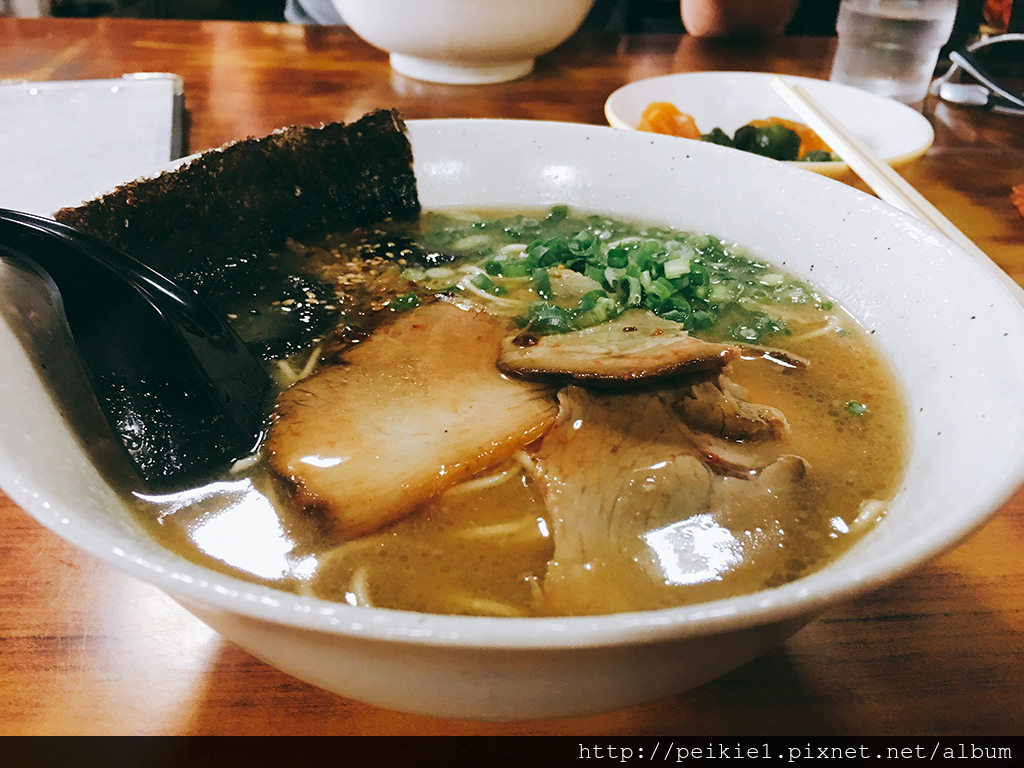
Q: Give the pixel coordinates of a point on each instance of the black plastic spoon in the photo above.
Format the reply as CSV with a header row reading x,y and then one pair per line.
x,y
180,390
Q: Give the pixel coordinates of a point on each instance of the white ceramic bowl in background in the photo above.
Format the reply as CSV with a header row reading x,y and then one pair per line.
x,y
464,41
728,100
950,326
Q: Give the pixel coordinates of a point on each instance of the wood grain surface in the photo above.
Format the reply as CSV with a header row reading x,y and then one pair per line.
x,y
85,649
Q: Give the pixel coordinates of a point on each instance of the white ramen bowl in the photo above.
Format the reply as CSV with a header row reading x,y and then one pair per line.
x,y
464,42
951,326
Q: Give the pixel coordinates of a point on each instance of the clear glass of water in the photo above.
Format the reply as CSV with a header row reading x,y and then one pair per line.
x,y
890,47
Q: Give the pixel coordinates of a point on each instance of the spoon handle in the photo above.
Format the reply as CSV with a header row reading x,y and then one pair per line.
x,y
972,66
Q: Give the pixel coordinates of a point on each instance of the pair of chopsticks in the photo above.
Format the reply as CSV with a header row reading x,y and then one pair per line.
x,y
878,175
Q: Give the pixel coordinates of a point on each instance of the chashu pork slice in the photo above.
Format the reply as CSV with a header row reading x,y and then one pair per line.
x,y
639,512
735,436
636,347
413,410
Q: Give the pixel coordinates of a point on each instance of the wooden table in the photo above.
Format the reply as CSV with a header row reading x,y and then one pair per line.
x,y
87,650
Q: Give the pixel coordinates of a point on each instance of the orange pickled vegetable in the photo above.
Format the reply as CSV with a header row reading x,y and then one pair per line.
x,y
809,140
662,117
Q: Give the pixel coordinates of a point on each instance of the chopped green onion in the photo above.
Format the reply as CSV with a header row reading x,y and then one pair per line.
x,y
662,288
594,272
414,274
691,278
405,301
677,268
542,283
484,283
612,275
618,258
545,318
720,293
515,268
557,213
635,291
595,307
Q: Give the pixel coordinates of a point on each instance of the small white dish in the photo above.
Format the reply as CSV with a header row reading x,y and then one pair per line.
x,y
728,100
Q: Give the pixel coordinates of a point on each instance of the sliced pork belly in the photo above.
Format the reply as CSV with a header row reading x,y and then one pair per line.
x,y
718,408
636,347
638,509
734,435
613,467
416,408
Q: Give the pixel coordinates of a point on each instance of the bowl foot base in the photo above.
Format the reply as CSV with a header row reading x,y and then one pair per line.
x,y
435,71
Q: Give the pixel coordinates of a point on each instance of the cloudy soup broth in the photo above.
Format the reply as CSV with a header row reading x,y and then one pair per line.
x,y
550,412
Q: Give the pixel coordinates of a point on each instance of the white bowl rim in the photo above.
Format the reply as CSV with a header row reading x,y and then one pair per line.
x,y
797,600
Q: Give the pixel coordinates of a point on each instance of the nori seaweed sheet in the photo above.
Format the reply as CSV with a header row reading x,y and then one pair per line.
x,y
214,225
228,207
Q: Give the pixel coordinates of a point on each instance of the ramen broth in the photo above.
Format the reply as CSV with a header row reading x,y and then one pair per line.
x,y
487,546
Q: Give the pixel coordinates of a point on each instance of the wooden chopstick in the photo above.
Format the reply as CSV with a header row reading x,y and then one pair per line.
x,y
879,175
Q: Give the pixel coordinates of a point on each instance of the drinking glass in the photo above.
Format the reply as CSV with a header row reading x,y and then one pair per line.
x,y
890,47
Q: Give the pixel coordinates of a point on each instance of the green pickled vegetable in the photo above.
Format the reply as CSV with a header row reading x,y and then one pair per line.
x,y
718,136
775,141
818,156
